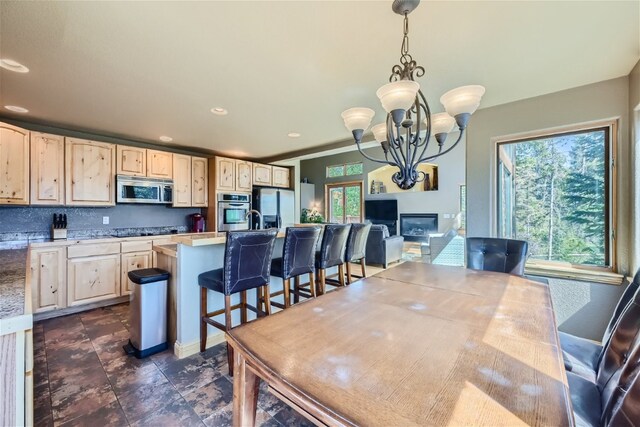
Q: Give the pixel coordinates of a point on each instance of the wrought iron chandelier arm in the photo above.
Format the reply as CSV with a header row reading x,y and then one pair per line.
x,y
441,153
371,158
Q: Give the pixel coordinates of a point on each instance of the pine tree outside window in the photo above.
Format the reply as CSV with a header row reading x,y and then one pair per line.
x,y
555,191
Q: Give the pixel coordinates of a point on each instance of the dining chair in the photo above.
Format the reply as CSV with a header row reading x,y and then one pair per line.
x,y
331,254
598,396
500,255
356,248
298,257
583,355
247,265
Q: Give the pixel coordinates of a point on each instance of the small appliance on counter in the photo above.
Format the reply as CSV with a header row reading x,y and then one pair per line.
x,y
59,227
197,223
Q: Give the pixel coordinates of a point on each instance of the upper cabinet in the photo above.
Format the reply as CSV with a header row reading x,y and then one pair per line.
x,y
244,175
89,173
225,174
181,180
131,161
47,169
280,177
14,165
261,174
199,182
159,164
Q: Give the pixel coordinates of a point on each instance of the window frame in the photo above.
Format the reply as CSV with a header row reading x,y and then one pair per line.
x,y
344,170
559,268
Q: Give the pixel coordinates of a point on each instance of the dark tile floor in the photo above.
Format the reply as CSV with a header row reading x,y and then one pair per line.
x,y
82,377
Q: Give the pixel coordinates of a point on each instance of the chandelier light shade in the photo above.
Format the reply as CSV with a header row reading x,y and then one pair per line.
x,y
405,135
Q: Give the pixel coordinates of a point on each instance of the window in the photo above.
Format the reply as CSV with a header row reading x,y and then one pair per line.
x,y
555,191
348,169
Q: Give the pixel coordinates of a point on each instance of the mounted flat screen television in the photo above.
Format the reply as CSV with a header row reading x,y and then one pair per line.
x,y
381,210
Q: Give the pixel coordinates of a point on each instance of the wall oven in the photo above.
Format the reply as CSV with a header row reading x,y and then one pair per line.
x,y
137,189
232,211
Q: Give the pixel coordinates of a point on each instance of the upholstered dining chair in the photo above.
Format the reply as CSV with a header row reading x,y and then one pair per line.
x,y
356,248
331,253
247,265
298,258
500,255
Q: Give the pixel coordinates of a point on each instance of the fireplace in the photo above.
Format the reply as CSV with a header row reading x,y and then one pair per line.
x,y
417,227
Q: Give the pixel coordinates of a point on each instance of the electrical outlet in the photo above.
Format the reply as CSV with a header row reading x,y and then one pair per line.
x,y
105,220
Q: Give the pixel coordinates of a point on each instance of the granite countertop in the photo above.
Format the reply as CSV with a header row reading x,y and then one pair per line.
x,y
205,239
12,282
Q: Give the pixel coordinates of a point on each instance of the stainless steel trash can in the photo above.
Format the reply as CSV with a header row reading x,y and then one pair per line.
x,y
148,312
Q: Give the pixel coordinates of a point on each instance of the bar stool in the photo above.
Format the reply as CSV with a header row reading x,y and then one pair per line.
x,y
247,264
298,256
356,247
331,254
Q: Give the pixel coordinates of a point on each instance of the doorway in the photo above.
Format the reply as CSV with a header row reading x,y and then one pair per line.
x,y
343,202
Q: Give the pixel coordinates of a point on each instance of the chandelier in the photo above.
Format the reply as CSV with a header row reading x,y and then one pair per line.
x,y
404,136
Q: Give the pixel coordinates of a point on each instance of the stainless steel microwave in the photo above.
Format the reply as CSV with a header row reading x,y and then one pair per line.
x,y
137,189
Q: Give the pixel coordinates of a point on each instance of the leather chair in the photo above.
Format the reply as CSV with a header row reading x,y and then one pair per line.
x,y
298,258
500,255
244,268
582,355
331,253
356,248
614,387
383,249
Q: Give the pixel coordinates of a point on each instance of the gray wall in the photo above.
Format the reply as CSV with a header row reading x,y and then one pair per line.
x,y
451,174
38,219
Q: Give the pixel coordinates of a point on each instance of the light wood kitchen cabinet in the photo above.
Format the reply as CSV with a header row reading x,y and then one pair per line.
x,y
93,278
225,174
159,164
14,165
280,177
131,161
182,182
47,169
89,173
48,279
261,174
130,262
244,176
199,184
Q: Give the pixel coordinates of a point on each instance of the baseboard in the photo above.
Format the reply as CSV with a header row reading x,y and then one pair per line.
x,y
184,350
79,308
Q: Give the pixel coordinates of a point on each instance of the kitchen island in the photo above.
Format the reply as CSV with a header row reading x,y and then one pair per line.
x,y
190,256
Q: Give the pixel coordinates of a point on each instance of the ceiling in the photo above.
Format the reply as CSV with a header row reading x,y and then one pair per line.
x,y
145,69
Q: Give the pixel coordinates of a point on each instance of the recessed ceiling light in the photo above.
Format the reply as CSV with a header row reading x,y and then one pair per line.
x,y
293,135
165,138
16,109
11,65
219,111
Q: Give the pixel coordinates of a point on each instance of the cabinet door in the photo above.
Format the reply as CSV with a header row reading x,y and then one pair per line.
x,y
244,176
48,279
14,165
159,164
225,174
130,262
280,177
89,173
181,180
131,161
199,187
93,278
261,174
47,169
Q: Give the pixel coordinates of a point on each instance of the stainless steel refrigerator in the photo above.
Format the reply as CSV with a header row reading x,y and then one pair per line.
x,y
276,206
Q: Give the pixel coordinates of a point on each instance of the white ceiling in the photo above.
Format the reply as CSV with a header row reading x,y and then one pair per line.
x,y
145,69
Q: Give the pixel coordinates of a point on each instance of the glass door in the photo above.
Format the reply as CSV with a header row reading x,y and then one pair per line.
x,y
344,202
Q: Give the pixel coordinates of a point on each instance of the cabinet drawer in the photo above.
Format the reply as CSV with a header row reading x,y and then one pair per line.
x,y
77,251
136,246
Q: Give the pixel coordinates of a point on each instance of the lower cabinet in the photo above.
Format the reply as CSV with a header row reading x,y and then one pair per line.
x,y
130,262
93,278
48,279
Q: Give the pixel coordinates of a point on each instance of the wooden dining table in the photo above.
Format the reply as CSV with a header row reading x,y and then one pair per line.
x,y
418,344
